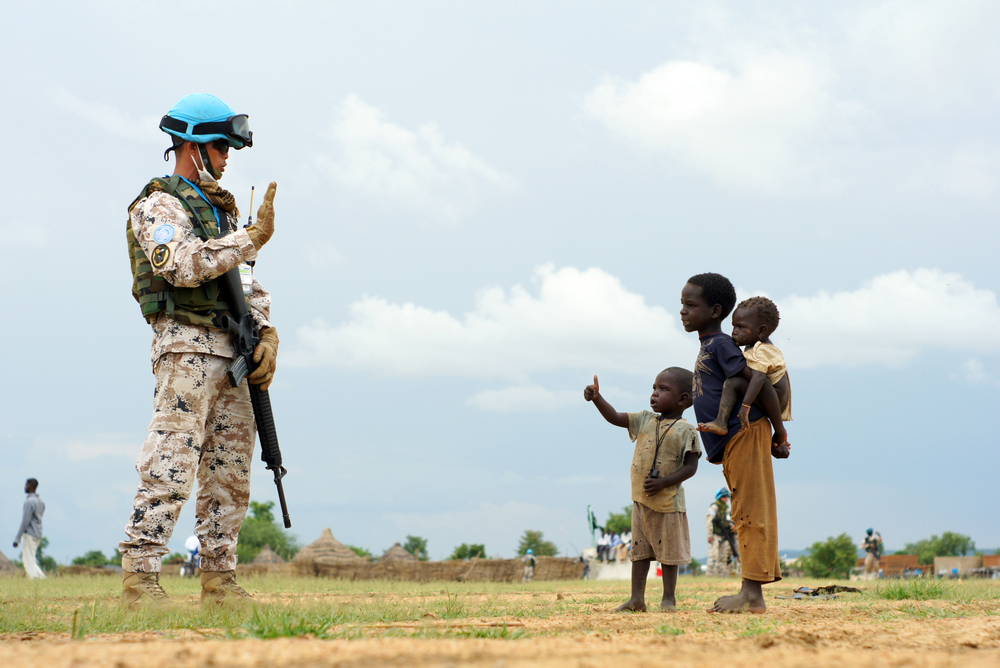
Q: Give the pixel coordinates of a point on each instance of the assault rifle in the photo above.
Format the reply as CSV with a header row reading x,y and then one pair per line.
x,y
245,339
721,527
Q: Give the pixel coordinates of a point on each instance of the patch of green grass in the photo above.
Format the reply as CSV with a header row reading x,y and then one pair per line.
x,y
919,612
912,590
756,627
667,630
500,632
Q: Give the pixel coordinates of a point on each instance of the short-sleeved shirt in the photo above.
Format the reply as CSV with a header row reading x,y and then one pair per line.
x,y
680,440
719,358
767,358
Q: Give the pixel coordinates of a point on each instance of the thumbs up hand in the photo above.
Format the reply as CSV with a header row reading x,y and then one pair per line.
x,y
591,391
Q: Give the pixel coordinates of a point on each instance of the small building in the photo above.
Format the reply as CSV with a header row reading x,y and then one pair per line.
x,y
326,550
397,553
7,566
960,566
268,557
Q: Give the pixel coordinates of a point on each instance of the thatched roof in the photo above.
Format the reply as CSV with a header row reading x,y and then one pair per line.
x,y
268,556
397,553
6,564
325,550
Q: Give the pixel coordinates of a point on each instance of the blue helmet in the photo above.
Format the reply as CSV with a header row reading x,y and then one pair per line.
x,y
721,493
204,118
530,551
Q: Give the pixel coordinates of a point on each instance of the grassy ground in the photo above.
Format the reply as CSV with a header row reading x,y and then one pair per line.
x,y
63,621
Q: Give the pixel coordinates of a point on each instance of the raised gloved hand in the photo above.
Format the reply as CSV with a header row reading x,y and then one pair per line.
x,y
260,232
266,354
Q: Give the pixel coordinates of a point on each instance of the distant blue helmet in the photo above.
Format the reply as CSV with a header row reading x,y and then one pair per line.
x,y
204,118
530,551
870,531
721,493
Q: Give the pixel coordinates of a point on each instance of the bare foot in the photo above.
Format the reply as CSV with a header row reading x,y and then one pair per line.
x,y
742,602
668,604
715,427
632,605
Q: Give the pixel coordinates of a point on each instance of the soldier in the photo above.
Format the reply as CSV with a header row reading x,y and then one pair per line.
x,y
182,236
529,566
721,561
872,545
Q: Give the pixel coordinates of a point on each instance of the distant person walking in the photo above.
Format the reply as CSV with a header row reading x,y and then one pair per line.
x,y
873,553
29,534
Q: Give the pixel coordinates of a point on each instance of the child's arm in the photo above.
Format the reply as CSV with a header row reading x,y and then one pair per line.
x,y
757,379
653,486
593,393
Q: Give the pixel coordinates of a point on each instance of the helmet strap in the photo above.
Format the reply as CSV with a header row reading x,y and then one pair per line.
x,y
209,176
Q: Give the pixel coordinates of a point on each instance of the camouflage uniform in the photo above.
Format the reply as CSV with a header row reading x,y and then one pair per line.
x,y
720,555
202,428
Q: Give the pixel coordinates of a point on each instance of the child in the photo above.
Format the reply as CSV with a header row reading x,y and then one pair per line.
x,y
745,453
666,454
754,320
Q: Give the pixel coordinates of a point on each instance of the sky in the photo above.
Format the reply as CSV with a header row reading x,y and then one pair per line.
x,y
480,206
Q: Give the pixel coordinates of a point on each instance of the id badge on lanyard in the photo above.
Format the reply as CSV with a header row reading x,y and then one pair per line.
x,y
246,278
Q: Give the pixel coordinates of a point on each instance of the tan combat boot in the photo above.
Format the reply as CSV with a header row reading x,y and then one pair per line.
x,y
141,589
220,587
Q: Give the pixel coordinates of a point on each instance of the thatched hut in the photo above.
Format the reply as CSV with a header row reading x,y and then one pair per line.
x,y
7,566
397,553
268,557
326,550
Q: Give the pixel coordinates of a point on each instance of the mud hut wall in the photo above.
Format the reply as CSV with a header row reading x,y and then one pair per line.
x,y
474,570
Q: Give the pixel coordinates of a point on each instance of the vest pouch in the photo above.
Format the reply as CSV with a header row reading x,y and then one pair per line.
x,y
205,297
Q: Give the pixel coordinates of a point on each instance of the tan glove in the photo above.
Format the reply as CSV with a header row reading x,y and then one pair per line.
x,y
260,232
266,354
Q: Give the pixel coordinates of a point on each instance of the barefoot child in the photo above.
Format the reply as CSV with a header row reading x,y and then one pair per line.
x,y
754,320
666,454
745,453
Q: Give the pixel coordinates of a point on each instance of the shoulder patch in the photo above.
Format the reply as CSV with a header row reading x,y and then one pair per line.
x,y
160,256
163,233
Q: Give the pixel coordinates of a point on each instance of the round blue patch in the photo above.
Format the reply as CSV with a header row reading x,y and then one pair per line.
x,y
163,234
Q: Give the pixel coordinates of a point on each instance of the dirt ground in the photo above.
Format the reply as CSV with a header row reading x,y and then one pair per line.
x,y
570,626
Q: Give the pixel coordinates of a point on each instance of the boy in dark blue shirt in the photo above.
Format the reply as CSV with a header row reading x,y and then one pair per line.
x,y
745,454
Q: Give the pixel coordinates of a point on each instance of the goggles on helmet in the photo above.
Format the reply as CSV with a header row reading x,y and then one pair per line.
x,y
235,129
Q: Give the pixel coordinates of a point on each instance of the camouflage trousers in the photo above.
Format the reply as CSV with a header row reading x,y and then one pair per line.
x,y
720,559
202,428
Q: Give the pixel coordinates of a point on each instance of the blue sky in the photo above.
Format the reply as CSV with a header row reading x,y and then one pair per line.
x,y
479,207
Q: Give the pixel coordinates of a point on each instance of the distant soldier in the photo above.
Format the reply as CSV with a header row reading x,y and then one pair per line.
x,y
29,534
718,523
529,566
873,553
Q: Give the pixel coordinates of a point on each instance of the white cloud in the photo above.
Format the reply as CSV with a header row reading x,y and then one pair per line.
x,y
577,319
416,169
747,125
109,118
524,398
320,256
974,372
587,322
928,50
972,173
99,445
888,321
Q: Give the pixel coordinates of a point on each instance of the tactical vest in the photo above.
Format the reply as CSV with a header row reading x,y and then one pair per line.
x,y
719,521
200,305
